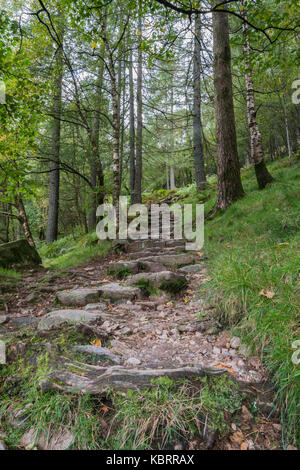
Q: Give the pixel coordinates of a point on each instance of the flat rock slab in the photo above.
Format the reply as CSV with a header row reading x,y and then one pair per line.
x,y
97,351
192,268
116,291
33,438
158,251
155,279
131,265
97,379
95,306
172,260
136,266
57,317
152,244
23,321
78,297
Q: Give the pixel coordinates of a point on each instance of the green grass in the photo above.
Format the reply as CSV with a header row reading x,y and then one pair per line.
x,y
172,411
9,274
68,252
119,273
255,245
47,412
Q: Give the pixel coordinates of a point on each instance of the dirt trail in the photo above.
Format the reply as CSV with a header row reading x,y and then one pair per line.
x,y
155,319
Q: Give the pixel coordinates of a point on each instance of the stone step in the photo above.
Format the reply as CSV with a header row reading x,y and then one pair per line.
x,y
139,245
78,297
117,291
95,379
192,268
58,317
155,279
154,251
97,351
135,266
172,260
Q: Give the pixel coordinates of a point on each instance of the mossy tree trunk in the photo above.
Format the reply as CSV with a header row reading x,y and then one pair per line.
x,y
257,156
54,179
229,177
197,122
137,199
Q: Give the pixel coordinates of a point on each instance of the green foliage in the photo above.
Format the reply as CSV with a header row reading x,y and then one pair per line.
x,y
120,273
156,417
9,274
255,246
174,287
47,412
146,288
67,252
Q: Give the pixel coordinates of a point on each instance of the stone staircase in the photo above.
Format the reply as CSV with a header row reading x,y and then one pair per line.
x,y
156,324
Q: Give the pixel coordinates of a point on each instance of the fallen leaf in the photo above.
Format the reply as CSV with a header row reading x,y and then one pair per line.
x,y
268,294
237,438
104,409
96,342
186,300
219,365
246,415
245,446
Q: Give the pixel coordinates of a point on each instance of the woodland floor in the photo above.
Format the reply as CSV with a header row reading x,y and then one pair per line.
x,y
195,338
158,332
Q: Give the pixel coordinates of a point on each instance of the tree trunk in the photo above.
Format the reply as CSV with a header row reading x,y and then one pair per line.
x,y
116,135
97,176
229,177
172,169
139,130
172,177
262,174
287,131
167,176
131,129
197,123
24,221
122,91
52,222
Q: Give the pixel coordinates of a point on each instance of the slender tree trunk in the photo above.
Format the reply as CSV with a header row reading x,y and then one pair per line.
x,y
139,129
257,156
197,123
298,137
97,176
116,136
287,131
229,177
131,129
172,169
122,86
24,221
52,222
167,176
172,177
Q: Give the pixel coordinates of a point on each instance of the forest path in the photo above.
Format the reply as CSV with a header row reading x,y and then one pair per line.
x,y
135,329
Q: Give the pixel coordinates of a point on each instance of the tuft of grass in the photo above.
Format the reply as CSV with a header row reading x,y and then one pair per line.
x,y
48,412
255,245
67,252
9,274
146,287
120,273
174,287
157,417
